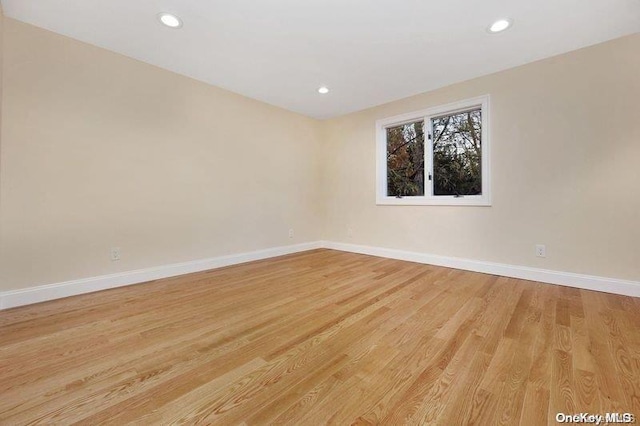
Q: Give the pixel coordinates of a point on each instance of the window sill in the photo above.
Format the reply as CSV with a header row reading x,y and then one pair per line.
x,y
434,201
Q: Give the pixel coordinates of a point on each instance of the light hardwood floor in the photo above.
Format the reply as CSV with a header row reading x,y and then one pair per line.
x,y
322,337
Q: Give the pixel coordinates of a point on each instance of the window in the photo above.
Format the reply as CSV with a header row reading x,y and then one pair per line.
x,y
438,156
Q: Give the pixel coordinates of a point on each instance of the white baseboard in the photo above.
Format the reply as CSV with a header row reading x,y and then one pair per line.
x,y
14,298
588,282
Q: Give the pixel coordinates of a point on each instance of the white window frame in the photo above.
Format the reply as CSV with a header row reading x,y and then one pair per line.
x,y
429,199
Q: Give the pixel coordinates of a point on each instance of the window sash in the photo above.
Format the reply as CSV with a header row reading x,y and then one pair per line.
x,y
430,158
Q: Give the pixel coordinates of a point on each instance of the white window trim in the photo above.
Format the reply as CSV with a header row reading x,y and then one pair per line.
x,y
426,114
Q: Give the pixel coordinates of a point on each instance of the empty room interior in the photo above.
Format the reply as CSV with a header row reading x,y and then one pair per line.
x,y
319,212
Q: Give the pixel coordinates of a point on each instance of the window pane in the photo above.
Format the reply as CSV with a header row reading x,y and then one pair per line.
x,y
405,160
457,153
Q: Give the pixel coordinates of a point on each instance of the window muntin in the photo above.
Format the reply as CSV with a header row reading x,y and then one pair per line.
x,y
454,167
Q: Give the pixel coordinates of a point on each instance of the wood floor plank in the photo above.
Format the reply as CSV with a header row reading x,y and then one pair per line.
x,y
321,337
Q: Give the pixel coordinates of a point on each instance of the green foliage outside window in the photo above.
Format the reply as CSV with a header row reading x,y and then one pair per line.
x,y
457,156
405,160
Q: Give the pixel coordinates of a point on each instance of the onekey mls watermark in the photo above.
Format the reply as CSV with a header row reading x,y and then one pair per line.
x,y
597,419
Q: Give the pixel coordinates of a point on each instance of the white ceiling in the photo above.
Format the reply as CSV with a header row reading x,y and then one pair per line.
x,y
367,51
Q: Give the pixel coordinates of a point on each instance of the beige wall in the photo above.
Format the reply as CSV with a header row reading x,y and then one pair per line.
x,y
1,101
100,150
565,140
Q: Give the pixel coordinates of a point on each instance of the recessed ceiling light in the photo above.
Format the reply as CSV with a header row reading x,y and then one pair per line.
x,y
171,21
323,90
499,25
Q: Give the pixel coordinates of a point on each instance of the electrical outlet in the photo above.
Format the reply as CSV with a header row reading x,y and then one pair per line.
x,y
541,250
349,232
115,254
291,233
